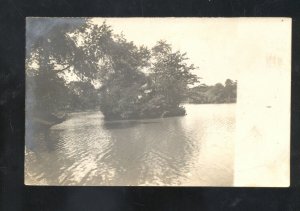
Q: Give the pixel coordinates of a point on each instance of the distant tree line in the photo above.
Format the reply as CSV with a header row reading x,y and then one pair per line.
x,y
217,93
87,66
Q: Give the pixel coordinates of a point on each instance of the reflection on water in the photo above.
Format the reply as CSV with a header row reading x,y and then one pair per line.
x,y
196,149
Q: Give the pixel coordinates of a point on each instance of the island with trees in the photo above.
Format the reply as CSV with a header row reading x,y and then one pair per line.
x,y
79,65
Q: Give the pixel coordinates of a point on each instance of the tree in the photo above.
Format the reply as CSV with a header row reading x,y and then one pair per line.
x,y
52,58
119,72
217,93
49,57
171,74
92,54
83,95
230,91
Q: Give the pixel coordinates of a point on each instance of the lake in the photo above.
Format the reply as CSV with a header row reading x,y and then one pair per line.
x,y
192,150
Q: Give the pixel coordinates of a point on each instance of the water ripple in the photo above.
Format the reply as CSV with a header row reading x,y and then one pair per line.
x,y
196,149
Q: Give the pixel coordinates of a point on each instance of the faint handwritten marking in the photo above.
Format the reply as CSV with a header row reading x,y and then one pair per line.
x,y
274,60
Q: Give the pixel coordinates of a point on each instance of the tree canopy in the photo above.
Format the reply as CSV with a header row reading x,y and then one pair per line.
x,y
88,66
217,93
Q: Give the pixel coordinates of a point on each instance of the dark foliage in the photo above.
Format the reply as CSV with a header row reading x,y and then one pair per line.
x,y
88,66
214,94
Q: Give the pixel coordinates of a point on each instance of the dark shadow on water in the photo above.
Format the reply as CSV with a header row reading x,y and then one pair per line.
x,y
110,125
41,140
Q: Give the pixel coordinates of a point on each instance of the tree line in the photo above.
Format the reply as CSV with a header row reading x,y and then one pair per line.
x,y
217,93
88,66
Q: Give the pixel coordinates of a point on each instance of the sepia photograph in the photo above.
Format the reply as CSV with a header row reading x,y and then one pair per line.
x,y
157,101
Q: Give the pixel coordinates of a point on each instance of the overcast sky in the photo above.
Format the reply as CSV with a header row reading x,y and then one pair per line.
x,y
209,43
221,47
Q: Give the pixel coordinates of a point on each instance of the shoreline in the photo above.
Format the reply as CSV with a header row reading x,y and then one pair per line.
x,y
41,122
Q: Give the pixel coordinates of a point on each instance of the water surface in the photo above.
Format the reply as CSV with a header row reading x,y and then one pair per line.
x,y
193,150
